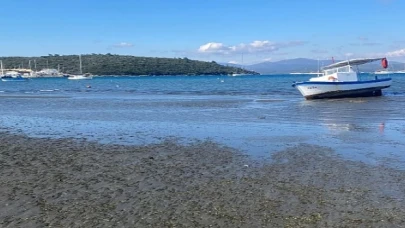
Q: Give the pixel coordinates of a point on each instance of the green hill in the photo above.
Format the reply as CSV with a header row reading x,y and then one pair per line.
x,y
109,64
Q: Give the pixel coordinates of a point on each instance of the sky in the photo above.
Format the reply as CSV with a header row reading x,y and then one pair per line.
x,y
225,31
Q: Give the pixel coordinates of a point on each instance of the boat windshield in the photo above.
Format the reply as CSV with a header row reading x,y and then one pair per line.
x,y
345,69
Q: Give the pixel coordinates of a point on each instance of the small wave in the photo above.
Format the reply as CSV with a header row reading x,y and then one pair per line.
x,y
1,91
28,92
269,100
394,94
46,90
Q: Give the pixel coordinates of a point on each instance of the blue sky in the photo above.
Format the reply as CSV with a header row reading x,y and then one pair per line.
x,y
219,30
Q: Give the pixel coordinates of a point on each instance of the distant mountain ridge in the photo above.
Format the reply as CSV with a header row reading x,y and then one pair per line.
x,y
305,65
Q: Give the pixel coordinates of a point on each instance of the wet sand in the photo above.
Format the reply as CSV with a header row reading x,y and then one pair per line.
x,y
70,183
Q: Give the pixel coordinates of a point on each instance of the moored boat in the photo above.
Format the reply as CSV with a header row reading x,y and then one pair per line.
x,y
235,74
80,76
340,80
10,76
17,78
383,72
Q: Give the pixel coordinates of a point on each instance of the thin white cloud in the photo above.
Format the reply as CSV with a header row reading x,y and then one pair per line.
x,y
319,51
362,38
391,54
399,42
281,53
364,41
397,53
123,45
371,44
386,1
257,46
366,44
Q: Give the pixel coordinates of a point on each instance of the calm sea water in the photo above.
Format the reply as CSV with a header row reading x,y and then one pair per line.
x,y
256,114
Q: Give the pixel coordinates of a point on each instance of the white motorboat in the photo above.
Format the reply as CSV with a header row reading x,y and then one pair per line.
x,y
13,78
383,72
235,74
10,76
339,80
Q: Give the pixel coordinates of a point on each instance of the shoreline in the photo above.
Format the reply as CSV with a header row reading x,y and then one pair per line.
x,y
75,183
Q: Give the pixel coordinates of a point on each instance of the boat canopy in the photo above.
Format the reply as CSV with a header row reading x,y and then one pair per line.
x,y
351,62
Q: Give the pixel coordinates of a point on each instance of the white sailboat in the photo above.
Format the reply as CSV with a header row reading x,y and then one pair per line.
x,y
383,72
241,74
80,76
339,80
2,70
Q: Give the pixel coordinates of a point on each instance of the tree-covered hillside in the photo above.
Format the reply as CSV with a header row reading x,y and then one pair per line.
x,y
109,64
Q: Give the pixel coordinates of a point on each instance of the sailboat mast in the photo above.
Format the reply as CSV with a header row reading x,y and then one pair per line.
x,y
242,61
80,59
1,63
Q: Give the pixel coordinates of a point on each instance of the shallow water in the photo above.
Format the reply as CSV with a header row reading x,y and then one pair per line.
x,y
256,114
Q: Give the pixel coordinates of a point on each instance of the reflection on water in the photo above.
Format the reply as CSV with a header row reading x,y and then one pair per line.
x,y
345,127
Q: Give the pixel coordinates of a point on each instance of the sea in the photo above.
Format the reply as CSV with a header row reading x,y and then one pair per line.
x,y
258,114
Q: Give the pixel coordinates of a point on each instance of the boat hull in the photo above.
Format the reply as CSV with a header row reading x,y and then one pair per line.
x,y
80,77
321,90
14,79
236,75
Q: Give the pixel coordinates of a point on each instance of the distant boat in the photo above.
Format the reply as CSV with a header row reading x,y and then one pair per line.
x,y
11,76
80,76
383,72
234,74
339,80
242,74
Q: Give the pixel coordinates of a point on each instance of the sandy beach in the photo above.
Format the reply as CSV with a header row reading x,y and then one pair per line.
x,y
71,183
